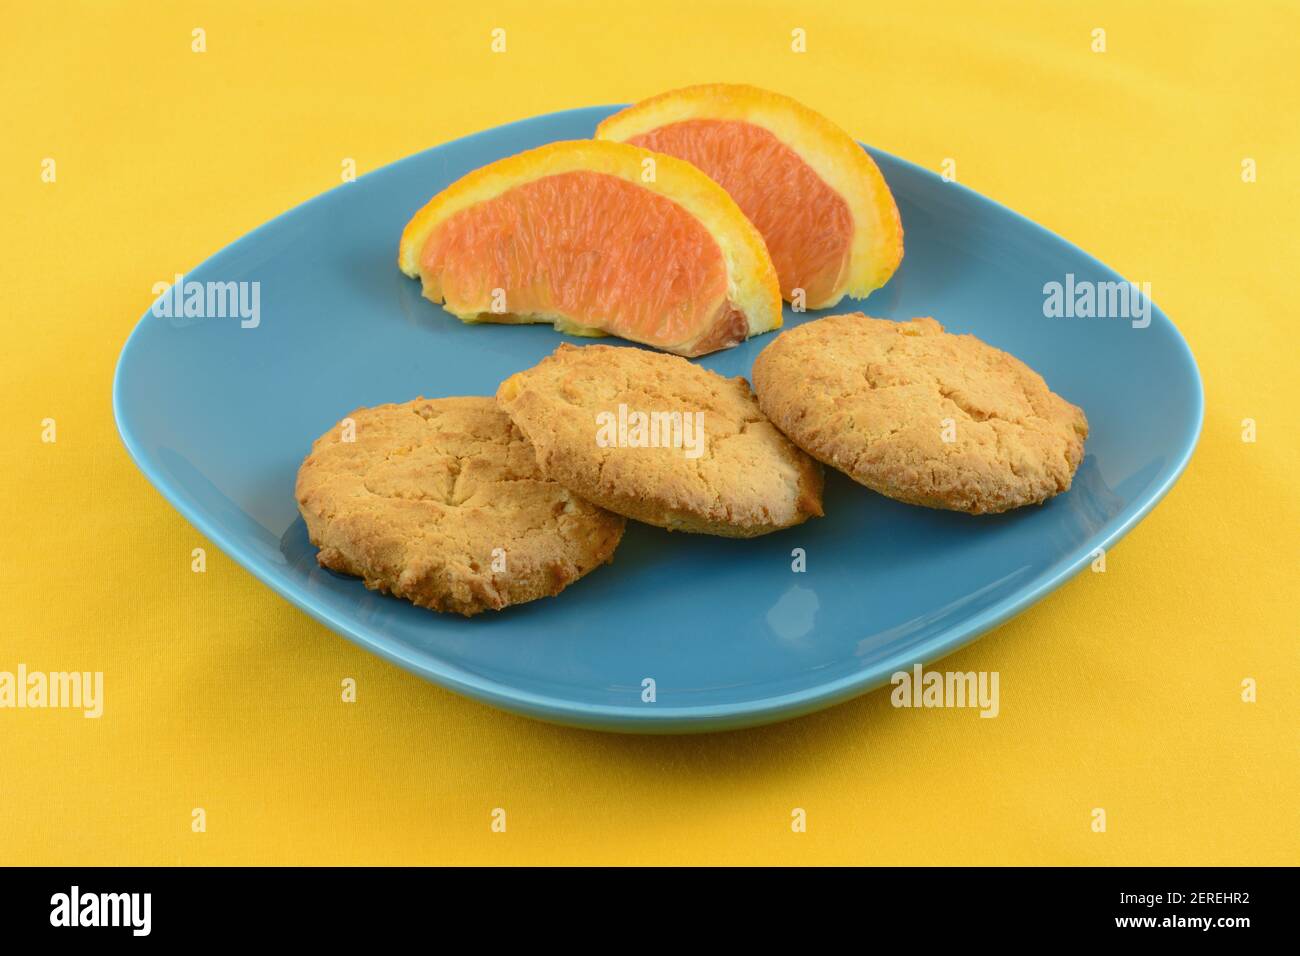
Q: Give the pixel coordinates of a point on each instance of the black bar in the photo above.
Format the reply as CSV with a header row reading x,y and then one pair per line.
x,y
238,904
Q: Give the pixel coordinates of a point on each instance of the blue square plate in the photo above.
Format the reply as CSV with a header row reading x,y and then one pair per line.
x,y
219,417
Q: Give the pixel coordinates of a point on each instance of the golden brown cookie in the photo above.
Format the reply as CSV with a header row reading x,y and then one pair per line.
x,y
914,413
661,440
440,501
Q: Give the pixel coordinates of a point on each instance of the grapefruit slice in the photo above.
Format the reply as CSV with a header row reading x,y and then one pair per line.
x,y
596,238
826,213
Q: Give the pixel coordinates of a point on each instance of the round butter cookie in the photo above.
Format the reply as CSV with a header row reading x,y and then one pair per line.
x,y
662,440
920,415
440,501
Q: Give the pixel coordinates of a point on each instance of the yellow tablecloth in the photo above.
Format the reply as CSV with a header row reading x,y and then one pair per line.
x,y
1123,691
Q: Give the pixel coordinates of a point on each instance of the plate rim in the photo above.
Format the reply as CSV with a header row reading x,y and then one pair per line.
x,y
686,718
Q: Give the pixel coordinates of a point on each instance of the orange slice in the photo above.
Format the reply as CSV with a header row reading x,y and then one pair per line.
x,y
596,238
817,197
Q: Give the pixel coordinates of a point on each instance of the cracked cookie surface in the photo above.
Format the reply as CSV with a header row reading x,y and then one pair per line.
x,y
747,478
920,415
440,501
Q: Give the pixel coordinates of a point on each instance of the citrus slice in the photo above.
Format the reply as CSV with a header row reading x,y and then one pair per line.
x,y
817,197
596,238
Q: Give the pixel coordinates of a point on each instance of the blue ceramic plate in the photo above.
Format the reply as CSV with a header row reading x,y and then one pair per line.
x,y
219,416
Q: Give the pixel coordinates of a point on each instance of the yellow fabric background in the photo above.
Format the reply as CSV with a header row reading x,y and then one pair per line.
x,y
1121,691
